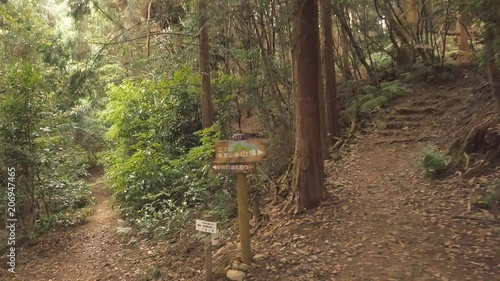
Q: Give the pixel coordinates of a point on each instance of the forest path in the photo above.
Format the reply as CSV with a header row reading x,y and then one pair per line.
x,y
385,220
399,224
90,252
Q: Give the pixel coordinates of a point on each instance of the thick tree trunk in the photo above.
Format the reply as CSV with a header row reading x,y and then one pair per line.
x,y
328,75
207,111
308,162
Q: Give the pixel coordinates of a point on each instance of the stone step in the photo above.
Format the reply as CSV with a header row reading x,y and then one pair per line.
x,y
401,118
395,132
418,110
398,125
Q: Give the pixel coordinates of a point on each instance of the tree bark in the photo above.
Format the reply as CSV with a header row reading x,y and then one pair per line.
x,y
463,24
207,111
328,75
308,162
321,93
346,69
491,67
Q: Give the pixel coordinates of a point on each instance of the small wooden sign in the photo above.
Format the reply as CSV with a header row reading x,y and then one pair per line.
x,y
216,238
239,151
235,168
206,226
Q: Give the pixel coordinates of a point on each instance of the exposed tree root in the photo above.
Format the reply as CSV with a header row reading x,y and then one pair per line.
x,y
483,138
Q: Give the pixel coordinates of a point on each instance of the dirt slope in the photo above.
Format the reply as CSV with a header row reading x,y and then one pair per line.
x,y
385,220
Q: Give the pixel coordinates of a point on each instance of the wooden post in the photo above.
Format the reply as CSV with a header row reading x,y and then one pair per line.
x,y
208,258
244,219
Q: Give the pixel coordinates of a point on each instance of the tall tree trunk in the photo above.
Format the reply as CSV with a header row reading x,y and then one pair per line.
x,y
321,93
328,69
346,69
412,15
491,67
308,162
463,24
207,111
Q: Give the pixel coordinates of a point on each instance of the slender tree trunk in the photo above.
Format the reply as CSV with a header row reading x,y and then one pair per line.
x,y
491,67
463,24
412,15
148,40
321,92
207,111
308,162
346,69
357,48
328,75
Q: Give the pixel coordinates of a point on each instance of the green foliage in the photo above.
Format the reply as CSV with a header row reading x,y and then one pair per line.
x,y
489,195
159,161
381,61
34,118
62,219
152,274
433,162
378,97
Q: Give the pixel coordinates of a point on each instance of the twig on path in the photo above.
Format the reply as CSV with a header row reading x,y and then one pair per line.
x,y
314,222
474,219
400,242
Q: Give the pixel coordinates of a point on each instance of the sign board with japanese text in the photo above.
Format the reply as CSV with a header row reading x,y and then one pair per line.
x,y
206,226
238,168
239,151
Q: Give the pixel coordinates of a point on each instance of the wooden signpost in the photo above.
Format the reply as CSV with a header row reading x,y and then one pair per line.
x,y
209,227
240,156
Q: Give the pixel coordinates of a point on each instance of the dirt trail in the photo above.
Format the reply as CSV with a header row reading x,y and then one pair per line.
x,y
385,220
93,251
404,226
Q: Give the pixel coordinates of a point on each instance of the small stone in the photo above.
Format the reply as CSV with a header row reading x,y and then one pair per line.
x,y
244,267
260,257
235,275
236,264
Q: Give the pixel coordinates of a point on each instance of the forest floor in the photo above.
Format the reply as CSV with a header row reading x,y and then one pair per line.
x,y
384,220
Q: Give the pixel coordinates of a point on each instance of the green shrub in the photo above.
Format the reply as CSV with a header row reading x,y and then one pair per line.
x,y
62,219
488,195
374,97
433,162
159,162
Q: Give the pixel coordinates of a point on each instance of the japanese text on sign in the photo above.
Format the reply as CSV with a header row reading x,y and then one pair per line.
x,y
206,226
244,151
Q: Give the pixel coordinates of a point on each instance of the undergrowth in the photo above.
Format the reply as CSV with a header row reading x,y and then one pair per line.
x,y
67,218
489,195
159,162
374,97
433,162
